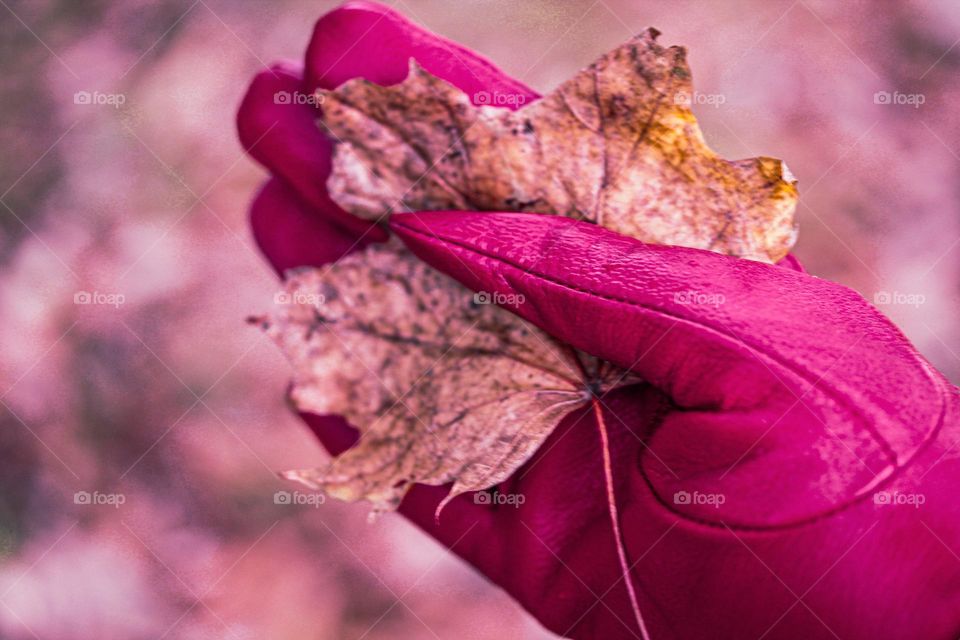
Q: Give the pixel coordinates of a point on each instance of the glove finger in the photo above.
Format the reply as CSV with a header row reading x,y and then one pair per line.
x,y
290,234
362,39
279,130
775,374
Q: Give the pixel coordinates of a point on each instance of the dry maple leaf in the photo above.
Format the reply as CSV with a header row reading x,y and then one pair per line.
x,y
444,386
446,390
616,145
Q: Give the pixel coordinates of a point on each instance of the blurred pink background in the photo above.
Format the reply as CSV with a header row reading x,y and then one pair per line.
x,y
143,421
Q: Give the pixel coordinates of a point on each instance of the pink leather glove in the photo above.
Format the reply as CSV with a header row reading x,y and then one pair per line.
x,y
787,470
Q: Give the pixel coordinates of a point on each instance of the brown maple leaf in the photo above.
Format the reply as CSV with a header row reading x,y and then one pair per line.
x,y
444,385
447,390
616,145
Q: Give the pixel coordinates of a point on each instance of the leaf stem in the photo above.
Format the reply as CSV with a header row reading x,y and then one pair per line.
x,y
615,517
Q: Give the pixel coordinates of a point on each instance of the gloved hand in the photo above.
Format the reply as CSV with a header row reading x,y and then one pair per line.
x,y
787,468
